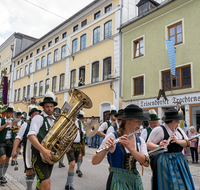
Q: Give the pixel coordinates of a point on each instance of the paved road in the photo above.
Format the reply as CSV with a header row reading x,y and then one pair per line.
x,y
94,177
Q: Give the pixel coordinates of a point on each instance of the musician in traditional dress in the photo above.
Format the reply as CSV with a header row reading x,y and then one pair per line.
x,y
171,169
74,153
7,137
124,155
22,136
40,125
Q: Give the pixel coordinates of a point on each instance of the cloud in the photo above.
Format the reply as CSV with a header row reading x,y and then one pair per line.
x,y
21,16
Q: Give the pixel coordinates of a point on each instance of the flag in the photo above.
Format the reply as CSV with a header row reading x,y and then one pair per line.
x,y
171,54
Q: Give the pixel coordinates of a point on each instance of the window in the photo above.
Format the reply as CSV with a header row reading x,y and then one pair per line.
x,y
47,85
18,62
40,88
15,97
24,92
138,86
27,57
96,35
74,46
47,71
18,97
38,50
95,72
35,90
175,33
83,41
56,55
31,55
107,68
54,81
49,59
62,82
43,47
63,51
138,48
28,91
81,76
64,35
108,29
75,28
20,73
30,68
83,23
10,68
181,80
26,70
37,65
17,74
42,62
108,8
97,15
56,39
21,60
50,44
73,79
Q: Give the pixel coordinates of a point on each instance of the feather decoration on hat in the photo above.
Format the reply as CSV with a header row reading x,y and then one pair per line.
x,y
30,107
51,95
81,113
152,111
11,106
19,110
112,107
121,104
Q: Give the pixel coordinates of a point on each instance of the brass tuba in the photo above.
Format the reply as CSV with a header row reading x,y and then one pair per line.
x,y
64,131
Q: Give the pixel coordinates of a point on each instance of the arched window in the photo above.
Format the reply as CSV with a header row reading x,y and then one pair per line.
x,y
107,68
95,71
81,76
73,79
96,35
108,29
74,46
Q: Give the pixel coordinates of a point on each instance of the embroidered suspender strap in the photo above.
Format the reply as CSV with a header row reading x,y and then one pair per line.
x,y
108,123
80,132
148,133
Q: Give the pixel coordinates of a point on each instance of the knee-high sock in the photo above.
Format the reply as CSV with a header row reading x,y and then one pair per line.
x,y
1,170
61,161
70,179
29,181
5,169
17,154
79,164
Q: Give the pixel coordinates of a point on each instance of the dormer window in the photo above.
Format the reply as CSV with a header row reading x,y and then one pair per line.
x,y
145,6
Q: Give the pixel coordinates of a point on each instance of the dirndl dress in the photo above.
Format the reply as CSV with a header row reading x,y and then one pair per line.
x,y
123,173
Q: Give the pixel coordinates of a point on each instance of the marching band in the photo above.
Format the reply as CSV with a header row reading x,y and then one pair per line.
x,y
159,146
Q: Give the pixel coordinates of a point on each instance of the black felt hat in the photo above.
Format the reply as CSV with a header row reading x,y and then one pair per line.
x,y
134,112
172,114
48,100
19,113
120,112
9,109
33,110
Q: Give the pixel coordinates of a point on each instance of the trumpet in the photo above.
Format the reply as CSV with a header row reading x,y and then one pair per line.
x,y
14,127
117,141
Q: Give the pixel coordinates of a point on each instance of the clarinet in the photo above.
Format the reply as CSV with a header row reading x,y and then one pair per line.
x,y
116,141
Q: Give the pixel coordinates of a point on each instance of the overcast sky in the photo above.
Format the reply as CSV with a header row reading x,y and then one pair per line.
x,y
21,16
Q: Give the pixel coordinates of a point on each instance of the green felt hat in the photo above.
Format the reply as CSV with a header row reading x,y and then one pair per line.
x,y
120,112
48,100
9,109
33,110
19,113
80,115
153,117
113,110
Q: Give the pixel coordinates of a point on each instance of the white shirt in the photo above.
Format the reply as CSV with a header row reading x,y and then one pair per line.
x,y
37,122
144,134
77,139
157,135
104,125
19,123
111,128
21,132
142,147
9,133
199,141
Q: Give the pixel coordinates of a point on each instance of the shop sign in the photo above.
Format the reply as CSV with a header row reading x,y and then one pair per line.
x,y
184,99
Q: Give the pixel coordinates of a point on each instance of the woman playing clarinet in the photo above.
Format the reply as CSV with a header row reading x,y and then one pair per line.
x,y
125,154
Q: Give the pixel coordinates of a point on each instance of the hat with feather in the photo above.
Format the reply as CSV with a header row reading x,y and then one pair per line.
x,y
49,98
19,113
153,115
81,115
10,108
33,108
113,110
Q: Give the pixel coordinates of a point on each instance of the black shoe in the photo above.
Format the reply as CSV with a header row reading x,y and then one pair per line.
x,y
193,162
69,188
59,165
76,171
80,173
62,164
12,162
20,153
3,180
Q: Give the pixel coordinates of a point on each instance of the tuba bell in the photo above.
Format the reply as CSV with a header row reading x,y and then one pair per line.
x,y
63,133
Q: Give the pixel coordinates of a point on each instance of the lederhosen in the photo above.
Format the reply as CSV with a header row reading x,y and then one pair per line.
x,y
24,141
6,145
20,144
171,170
75,150
42,170
123,172
82,139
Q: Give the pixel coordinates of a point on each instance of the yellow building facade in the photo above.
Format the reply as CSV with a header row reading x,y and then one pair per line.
x,y
87,46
